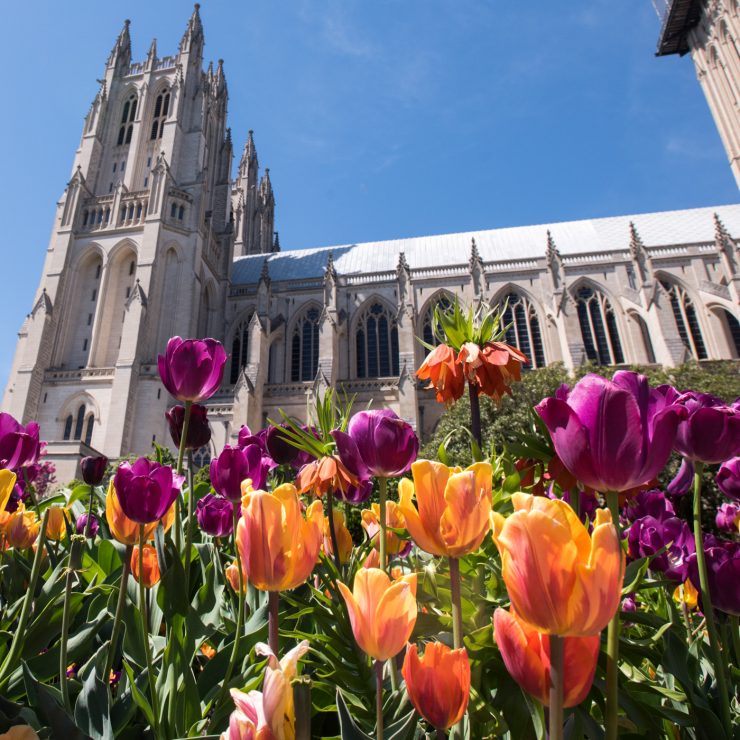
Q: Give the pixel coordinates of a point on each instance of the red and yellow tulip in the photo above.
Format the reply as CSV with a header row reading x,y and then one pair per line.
x,y
21,528
344,538
394,519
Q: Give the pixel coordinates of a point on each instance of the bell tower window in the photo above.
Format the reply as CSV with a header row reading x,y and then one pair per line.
x,y
161,109
127,121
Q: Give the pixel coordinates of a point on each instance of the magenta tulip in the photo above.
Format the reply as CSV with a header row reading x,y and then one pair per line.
x,y
728,478
611,435
215,515
279,447
723,573
235,465
199,432
146,489
192,369
19,445
388,445
81,525
93,469
349,455
727,518
710,433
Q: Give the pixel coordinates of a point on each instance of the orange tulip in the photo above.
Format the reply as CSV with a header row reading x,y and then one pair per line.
x,y
277,546
56,526
151,566
382,612
438,683
444,374
560,579
526,654
453,507
686,594
208,650
7,483
344,538
126,530
394,519
326,474
22,528
232,576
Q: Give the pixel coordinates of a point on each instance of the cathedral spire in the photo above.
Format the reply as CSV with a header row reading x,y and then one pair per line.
x,y
276,243
220,78
193,32
121,52
249,155
266,185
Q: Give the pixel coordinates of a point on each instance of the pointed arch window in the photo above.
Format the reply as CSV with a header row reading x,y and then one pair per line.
x,y
89,429
598,327
376,343
80,422
427,329
128,117
239,349
304,347
161,109
687,323
68,426
733,327
524,329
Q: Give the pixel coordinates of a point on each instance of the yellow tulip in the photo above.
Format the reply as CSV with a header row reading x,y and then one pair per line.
x,y
344,538
7,483
56,525
22,528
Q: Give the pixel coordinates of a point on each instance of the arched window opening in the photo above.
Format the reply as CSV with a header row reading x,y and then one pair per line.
x,y
127,121
376,343
304,349
161,109
687,323
733,330
239,350
68,427
427,332
202,456
647,343
598,327
80,422
523,329
89,429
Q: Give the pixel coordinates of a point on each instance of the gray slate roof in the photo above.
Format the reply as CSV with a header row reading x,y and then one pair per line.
x,y
665,228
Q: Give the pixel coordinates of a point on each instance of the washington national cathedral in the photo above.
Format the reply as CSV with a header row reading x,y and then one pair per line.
x,y
154,236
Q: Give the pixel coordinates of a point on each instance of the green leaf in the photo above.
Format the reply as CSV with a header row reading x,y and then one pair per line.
x,y
92,709
348,727
139,698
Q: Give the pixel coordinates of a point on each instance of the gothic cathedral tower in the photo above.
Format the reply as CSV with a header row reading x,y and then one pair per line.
x,y
141,250
710,30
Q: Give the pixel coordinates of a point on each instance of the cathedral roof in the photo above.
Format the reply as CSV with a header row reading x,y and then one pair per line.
x,y
662,229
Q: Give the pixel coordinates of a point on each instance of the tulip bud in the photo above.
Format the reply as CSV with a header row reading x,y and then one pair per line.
x,y
232,575
192,369
56,525
215,515
93,469
279,447
394,519
199,432
81,525
151,566
386,443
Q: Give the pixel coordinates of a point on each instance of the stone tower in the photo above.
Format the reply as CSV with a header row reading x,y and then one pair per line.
x,y
710,30
141,250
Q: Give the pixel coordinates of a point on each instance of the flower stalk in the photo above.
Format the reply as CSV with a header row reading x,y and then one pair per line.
x,y
72,568
382,497
190,517
379,699
273,635
457,634
144,613
475,427
118,617
612,642
332,534
557,682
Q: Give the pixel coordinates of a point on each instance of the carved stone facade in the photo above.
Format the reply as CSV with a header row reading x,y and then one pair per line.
x,y
153,238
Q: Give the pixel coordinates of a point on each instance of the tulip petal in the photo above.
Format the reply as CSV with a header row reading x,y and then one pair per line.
x,y
395,616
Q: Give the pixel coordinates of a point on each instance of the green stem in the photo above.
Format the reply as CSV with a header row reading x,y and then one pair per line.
x,y
32,493
144,628
557,680
735,637
706,600
382,495
20,632
612,642
180,456
118,617
89,511
379,699
457,633
273,616
475,427
189,521
333,532
72,568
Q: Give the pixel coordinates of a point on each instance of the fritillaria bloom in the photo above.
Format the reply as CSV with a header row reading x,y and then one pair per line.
x,y
492,367
278,547
444,374
192,369
560,579
382,612
438,683
526,654
451,516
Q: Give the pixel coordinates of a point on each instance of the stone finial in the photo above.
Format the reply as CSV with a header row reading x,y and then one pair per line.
x,y
330,272
403,265
276,242
121,51
265,273
637,247
193,31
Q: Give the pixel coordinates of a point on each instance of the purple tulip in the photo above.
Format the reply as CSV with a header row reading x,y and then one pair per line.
x,y
649,503
728,478
146,489
629,604
711,431
192,369
350,456
93,469
279,447
246,438
235,465
81,524
612,435
387,444
215,515
19,445
199,433
723,573
669,536
728,517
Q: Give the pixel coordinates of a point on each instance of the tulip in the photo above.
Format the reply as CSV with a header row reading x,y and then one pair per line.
x,y
146,489
279,447
277,546
235,465
386,443
438,683
19,445
215,515
444,374
192,369
728,517
382,612
526,654
728,478
21,528
56,525
453,507
686,594
723,574
93,469
247,721
151,574
395,544
612,435
81,525
123,529
199,432
344,538
20,732
667,535
7,485
560,579
710,432
232,576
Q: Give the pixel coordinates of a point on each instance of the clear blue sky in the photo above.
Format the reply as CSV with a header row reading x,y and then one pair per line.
x,y
380,119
